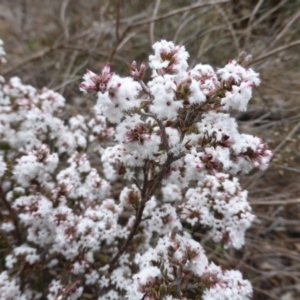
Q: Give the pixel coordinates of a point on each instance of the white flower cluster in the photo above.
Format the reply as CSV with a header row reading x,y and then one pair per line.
x,y
178,260
168,163
9,288
221,205
240,81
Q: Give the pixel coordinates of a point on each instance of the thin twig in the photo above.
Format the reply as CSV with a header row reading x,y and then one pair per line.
x,y
63,17
138,218
279,49
285,29
162,128
133,230
269,12
115,47
149,188
275,202
286,168
152,24
275,88
164,16
230,27
145,88
283,142
43,52
118,21
178,11
250,26
23,17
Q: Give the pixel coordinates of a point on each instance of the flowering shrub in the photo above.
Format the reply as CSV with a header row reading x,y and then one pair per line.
x,y
171,146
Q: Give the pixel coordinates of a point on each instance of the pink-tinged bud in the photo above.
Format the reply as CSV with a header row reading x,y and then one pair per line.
x,y
135,73
142,69
256,164
94,82
138,134
242,55
106,70
90,73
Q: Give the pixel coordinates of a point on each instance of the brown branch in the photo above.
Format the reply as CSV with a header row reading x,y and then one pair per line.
x,y
149,187
249,26
275,202
133,230
230,28
164,16
164,137
114,49
285,29
138,219
279,49
145,89
275,88
152,24
43,52
289,136
118,21
178,11
28,60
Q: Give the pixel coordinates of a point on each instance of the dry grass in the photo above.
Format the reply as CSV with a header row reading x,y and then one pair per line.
x,y
50,43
